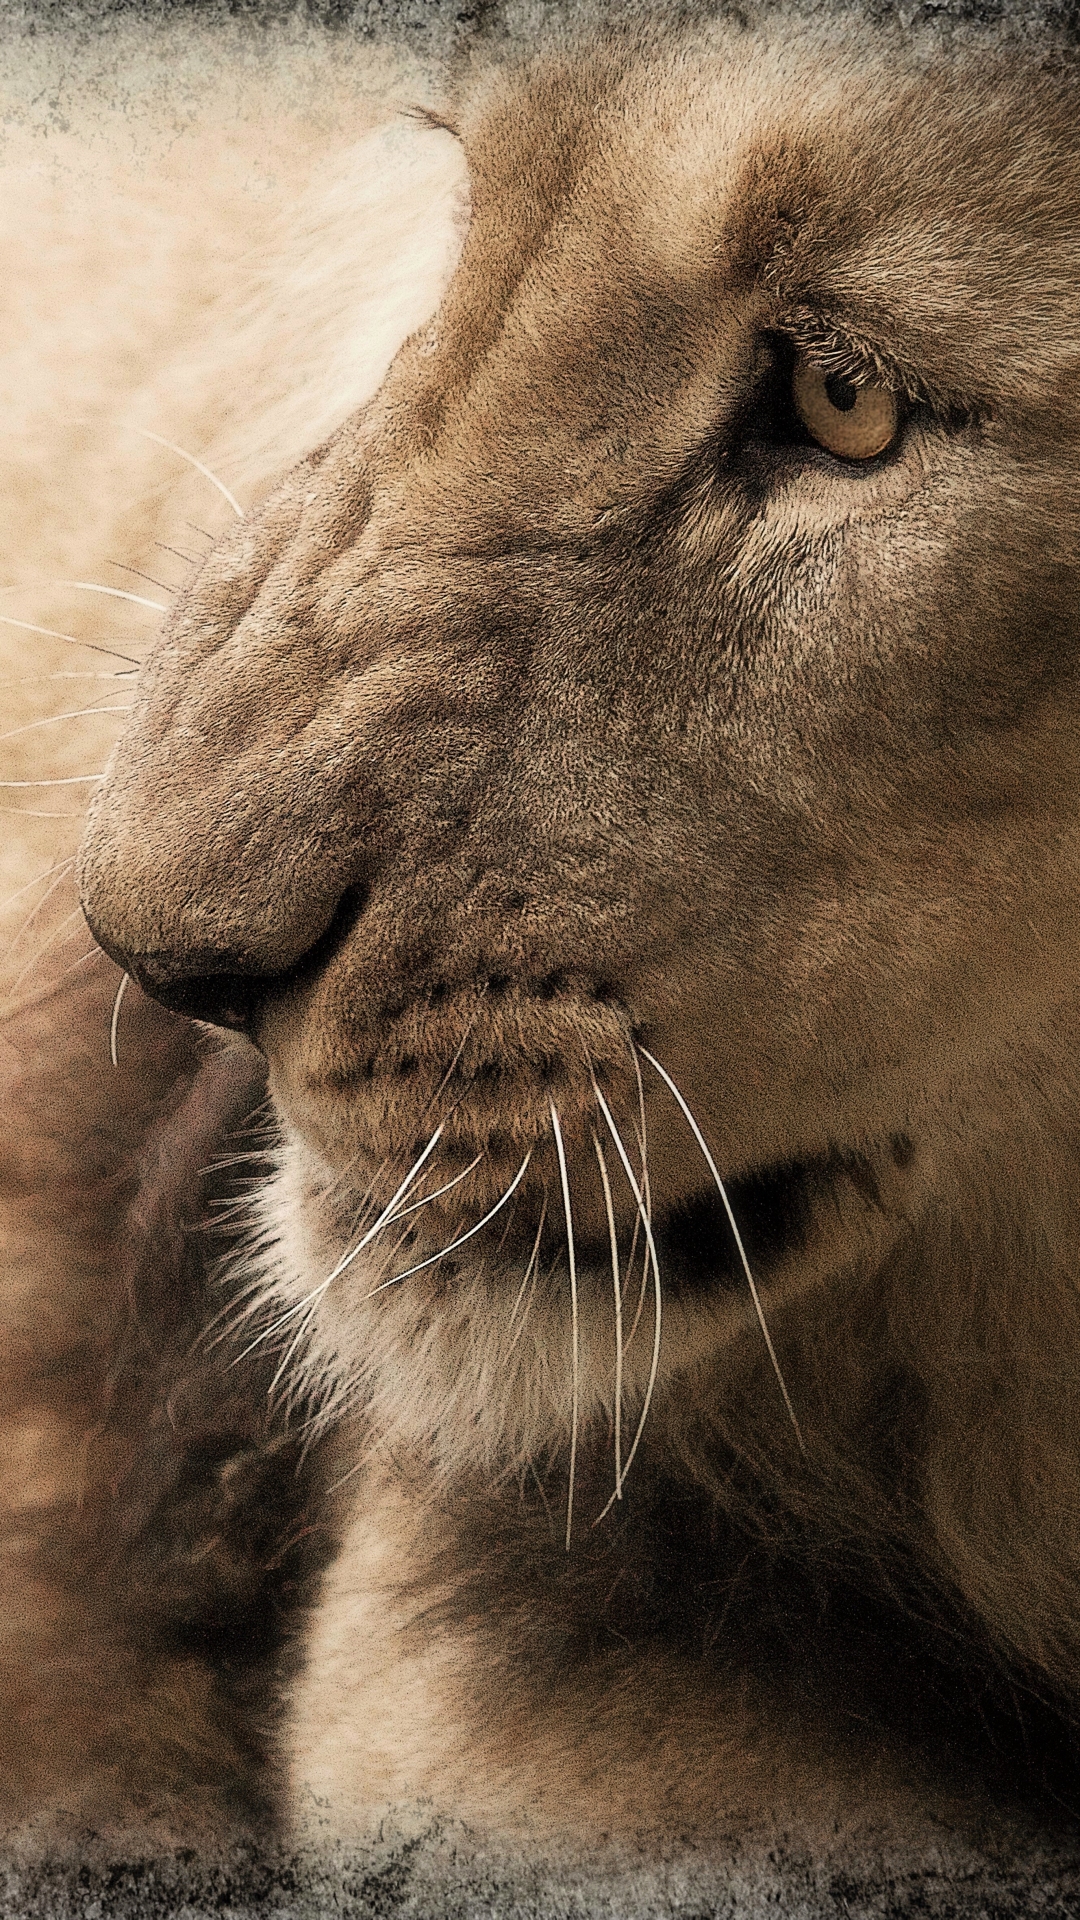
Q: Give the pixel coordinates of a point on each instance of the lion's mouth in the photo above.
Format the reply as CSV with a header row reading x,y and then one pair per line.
x,y
777,1210
774,1223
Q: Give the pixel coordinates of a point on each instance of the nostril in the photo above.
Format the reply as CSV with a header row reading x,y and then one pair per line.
x,y
217,985
222,999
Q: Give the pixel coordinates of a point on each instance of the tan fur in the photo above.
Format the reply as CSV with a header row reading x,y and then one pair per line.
x,y
553,714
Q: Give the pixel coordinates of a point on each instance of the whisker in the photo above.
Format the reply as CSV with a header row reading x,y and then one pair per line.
x,y
643,1135
73,780
53,872
55,935
459,1050
576,1362
494,1252
92,953
304,1323
114,1023
650,1247
206,536
59,874
736,1235
613,1239
114,593
346,1170
644,1287
54,719
140,575
461,1239
71,673
347,1259
199,468
189,558
415,1205
51,633
533,1257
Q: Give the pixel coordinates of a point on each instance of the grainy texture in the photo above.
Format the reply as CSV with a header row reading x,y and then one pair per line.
x,y
438,1874
215,235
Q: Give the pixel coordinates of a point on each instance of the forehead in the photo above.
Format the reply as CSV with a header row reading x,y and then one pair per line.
x,y
913,185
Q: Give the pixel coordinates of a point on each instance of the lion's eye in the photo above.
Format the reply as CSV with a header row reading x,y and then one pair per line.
x,y
853,422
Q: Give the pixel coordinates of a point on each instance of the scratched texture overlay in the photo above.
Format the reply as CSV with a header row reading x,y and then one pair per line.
x,y
98,261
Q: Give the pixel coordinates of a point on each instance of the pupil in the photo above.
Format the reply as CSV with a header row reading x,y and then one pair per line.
x,y
840,393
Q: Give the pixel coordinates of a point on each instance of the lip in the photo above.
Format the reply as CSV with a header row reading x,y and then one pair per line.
x,y
782,1211
775,1207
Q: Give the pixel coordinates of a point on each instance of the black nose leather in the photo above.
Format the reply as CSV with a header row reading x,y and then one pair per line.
x,y
223,999
216,986
220,994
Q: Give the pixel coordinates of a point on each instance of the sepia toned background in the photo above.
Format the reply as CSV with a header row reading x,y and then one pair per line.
x,y
216,225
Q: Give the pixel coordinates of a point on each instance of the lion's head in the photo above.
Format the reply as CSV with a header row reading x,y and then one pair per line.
x,y
631,768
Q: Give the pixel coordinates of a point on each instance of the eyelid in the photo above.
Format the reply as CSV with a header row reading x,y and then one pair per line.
x,y
854,366
830,345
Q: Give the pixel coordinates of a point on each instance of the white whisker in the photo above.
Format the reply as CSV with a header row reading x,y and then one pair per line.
x,y
644,1287
650,1249
529,1271
643,1136
736,1235
53,873
415,1205
115,1021
73,780
347,1258
199,468
387,1213
54,719
642,1142
616,1282
59,874
459,1050
56,934
92,953
576,1360
304,1323
114,593
462,1237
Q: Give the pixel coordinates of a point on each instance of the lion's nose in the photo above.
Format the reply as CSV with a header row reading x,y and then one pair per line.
x,y
222,999
215,989
222,987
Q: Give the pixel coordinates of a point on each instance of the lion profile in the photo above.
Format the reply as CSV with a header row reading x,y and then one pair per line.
x,y
589,882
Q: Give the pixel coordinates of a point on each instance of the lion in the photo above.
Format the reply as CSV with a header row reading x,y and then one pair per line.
x,y
586,898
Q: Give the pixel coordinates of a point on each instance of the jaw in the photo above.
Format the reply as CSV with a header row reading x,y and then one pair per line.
x,y
437,1301
461,1253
